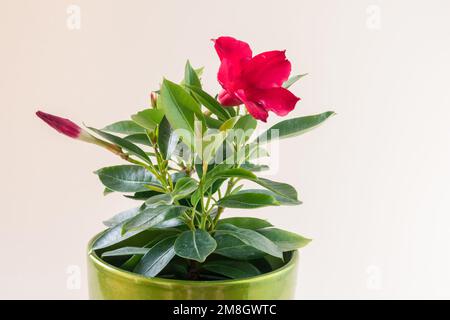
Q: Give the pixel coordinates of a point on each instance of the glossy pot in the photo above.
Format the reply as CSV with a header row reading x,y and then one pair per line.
x,y
108,282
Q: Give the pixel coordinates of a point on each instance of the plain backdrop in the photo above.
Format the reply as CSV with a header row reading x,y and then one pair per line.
x,y
375,179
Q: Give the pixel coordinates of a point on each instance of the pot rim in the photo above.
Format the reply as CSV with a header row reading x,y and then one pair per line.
x,y
115,271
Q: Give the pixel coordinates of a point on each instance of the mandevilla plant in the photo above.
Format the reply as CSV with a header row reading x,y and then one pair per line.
x,y
188,155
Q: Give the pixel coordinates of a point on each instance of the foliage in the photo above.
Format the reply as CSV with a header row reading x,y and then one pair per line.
x,y
178,171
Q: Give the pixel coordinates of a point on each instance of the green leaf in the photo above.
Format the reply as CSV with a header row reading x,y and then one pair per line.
x,y
107,191
177,176
160,234
244,128
211,143
177,269
125,251
214,140
190,76
142,195
284,201
158,200
195,245
247,200
199,71
294,127
274,263
254,167
148,118
131,263
247,152
229,124
139,138
218,174
124,127
121,217
184,187
153,218
233,248
286,240
232,269
224,171
126,178
230,110
195,198
155,188
124,144
293,80
246,222
167,139
180,109
213,123
157,258
251,238
209,103
113,238
237,189
255,151
246,122
284,190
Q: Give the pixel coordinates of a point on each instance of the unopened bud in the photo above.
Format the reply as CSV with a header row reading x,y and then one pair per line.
x,y
65,126
153,98
72,130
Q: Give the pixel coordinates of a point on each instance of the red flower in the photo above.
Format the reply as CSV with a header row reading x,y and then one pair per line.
x,y
66,127
255,81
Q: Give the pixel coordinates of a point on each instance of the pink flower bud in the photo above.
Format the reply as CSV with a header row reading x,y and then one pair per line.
x,y
66,127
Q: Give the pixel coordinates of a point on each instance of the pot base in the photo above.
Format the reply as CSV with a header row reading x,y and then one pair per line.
x,y
107,282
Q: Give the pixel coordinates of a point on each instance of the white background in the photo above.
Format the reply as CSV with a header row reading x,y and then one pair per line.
x,y
374,179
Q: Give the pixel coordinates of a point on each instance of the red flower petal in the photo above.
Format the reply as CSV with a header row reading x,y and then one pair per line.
x,y
256,82
232,49
267,70
278,100
228,100
229,75
233,54
257,111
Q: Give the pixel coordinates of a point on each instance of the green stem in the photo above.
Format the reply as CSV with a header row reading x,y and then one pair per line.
x,y
202,200
189,220
231,184
208,201
202,203
217,217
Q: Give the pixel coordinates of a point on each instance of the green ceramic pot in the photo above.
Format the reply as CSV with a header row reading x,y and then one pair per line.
x,y
107,282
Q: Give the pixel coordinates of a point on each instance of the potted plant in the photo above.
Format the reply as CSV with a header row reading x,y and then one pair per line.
x,y
187,158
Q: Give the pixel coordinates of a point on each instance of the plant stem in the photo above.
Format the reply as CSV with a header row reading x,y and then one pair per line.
x,y
202,203
202,200
231,184
217,217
